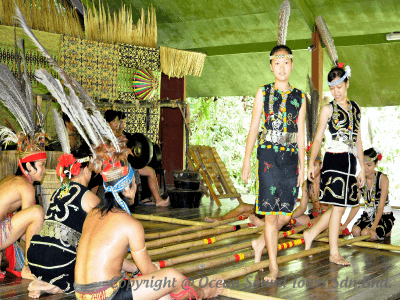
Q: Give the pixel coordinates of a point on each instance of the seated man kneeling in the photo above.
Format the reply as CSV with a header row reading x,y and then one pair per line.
x,y
108,233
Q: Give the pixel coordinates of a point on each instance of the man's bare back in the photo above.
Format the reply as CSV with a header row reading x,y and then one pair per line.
x,y
102,247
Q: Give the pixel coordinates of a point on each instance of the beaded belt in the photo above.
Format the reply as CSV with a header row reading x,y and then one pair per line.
x,y
277,137
61,232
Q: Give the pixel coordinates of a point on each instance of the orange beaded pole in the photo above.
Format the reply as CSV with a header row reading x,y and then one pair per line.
x,y
281,259
196,266
205,254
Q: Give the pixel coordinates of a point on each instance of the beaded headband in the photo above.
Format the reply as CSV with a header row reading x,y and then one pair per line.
x,y
281,56
120,185
373,159
347,74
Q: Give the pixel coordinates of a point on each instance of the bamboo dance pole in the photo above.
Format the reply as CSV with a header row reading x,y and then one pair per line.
x,y
216,262
369,245
204,241
191,236
157,235
205,254
281,259
246,296
167,220
216,239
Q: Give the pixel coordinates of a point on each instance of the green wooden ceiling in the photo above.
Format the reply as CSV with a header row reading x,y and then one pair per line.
x,y
237,36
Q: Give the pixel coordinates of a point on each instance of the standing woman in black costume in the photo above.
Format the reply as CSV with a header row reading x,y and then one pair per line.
x,y
280,152
339,184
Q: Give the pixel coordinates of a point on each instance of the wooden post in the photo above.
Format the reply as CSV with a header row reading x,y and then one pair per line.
x,y
317,63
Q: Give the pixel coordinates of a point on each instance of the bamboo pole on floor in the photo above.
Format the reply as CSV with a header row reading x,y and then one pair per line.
x,y
203,242
205,254
217,262
280,259
167,220
218,238
369,245
246,296
157,235
194,235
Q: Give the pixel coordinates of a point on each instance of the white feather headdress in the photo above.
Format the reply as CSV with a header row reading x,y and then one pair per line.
x,y
77,104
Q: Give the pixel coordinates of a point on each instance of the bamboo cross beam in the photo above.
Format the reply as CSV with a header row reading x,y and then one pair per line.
x,y
157,235
204,241
211,253
219,261
245,295
191,236
280,260
167,220
369,245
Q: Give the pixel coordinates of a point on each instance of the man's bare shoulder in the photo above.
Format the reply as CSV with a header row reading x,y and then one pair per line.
x,y
20,183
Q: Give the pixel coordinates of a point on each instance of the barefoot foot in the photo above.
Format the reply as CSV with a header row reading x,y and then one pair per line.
x,y
163,202
211,219
26,273
258,247
256,221
307,240
271,277
339,260
37,287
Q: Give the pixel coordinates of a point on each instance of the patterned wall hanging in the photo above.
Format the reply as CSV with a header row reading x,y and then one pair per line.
x,y
144,84
34,60
93,64
131,59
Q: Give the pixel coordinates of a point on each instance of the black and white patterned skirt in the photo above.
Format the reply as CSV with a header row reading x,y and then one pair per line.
x,y
338,179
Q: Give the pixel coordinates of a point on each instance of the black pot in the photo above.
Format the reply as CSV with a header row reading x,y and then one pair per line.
x,y
187,185
186,175
185,198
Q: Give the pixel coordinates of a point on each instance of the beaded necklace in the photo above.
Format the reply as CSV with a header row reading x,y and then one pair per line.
x,y
282,107
372,194
335,116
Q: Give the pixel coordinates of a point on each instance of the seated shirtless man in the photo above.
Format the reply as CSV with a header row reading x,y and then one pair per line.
x,y
17,191
108,232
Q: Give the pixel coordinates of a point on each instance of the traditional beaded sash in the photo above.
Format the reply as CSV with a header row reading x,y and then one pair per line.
x,y
278,137
61,232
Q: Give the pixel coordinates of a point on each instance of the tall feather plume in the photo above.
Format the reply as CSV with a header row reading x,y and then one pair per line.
x,y
7,136
313,107
283,22
327,39
57,91
75,105
53,63
61,132
28,87
12,97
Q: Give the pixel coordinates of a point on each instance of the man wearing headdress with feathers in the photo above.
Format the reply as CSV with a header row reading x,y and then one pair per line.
x,y
17,191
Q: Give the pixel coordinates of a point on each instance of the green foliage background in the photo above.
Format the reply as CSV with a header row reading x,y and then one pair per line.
x,y
224,123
